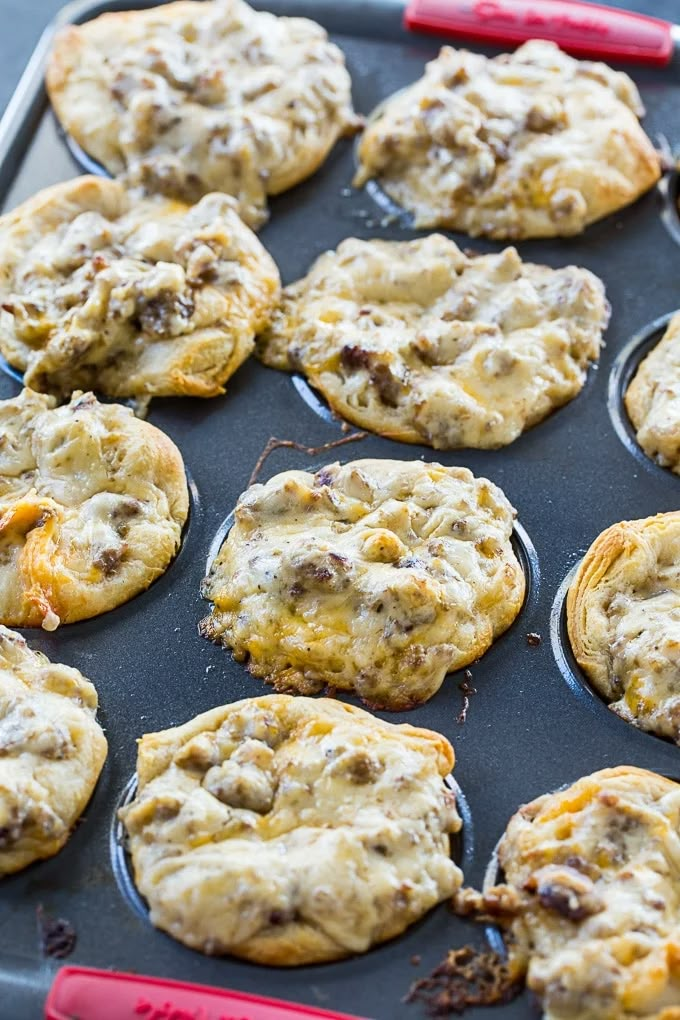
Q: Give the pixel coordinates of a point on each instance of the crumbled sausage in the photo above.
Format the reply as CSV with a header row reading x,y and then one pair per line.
x,y
359,767
568,892
240,786
158,314
108,560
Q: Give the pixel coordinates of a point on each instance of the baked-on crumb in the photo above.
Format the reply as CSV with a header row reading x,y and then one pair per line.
x,y
591,878
423,343
528,144
51,753
623,610
467,690
377,576
57,936
92,505
466,977
132,297
653,400
291,831
188,98
290,444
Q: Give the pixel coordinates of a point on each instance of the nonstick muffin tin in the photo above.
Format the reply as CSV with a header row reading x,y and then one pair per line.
x,y
533,723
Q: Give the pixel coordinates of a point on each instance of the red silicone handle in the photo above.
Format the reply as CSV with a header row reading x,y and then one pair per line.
x,y
106,995
586,30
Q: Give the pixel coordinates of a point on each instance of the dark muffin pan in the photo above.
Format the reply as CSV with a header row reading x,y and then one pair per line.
x,y
533,723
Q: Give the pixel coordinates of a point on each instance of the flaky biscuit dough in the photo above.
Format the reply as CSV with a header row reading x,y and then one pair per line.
x,y
291,830
592,897
104,290
51,752
623,615
422,343
528,144
92,504
191,97
653,400
377,576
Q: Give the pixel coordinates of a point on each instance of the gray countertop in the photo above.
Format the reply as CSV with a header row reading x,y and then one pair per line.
x,y
24,20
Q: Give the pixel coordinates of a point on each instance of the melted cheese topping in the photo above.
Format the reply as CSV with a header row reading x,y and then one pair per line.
x,y
379,576
528,144
592,879
421,343
51,752
653,400
196,97
92,504
128,296
623,612
291,830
